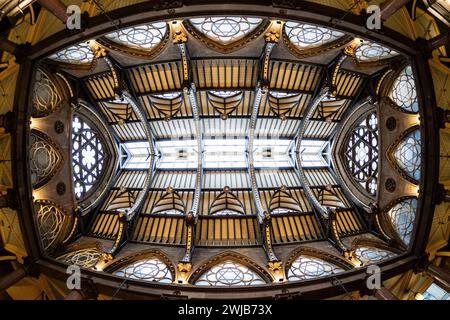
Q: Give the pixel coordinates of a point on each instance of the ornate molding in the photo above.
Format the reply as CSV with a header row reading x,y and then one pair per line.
x,y
230,255
393,161
135,52
227,48
309,251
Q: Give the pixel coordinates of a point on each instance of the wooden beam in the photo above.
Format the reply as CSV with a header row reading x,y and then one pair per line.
x,y
390,7
384,294
8,46
56,7
12,278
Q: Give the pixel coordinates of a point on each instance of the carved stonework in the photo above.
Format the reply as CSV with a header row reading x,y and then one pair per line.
x,y
274,33
178,33
184,267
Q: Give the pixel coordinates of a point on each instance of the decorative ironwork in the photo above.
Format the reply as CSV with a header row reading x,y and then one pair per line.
x,y
46,97
80,54
282,103
225,29
50,220
370,255
229,273
168,104
404,92
307,36
61,188
84,258
305,40
59,127
150,269
45,158
224,102
308,267
402,216
361,153
226,203
390,185
407,155
145,37
226,33
391,123
122,202
170,203
283,202
371,52
88,156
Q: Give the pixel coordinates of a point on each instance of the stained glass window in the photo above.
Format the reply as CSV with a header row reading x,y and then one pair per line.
x,y
146,36
225,29
404,92
402,216
369,255
229,273
370,51
307,36
88,156
153,270
307,267
77,54
408,154
361,154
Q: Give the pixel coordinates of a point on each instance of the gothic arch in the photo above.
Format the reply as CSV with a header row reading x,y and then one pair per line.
x,y
129,260
410,155
232,256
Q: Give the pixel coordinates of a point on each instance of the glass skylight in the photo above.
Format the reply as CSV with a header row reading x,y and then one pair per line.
x,y
314,153
177,154
138,155
226,154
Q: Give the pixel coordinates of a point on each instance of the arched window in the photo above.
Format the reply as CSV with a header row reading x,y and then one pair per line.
x,y
88,156
146,36
402,217
46,96
369,255
229,273
361,153
51,221
308,267
151,269
370,51
77,54
225,29
306,36
404,92
408,155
